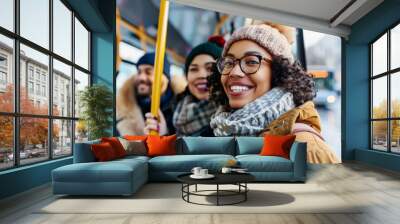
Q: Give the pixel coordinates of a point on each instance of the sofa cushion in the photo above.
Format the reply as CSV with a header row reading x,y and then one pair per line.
x,y
249,145
161,145
83,152
185,163
135,137
257,163
132,158
112,171
207,145
116,145
277,145
103,152
134,147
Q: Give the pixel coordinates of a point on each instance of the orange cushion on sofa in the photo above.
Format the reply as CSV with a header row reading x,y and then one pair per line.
x,y
135,137
103,152
116,145
161,145
277,145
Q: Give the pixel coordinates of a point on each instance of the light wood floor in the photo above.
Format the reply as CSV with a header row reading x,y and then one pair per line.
x,y
378,188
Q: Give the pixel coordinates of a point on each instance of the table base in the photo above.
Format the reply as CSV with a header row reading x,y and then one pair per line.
x,y
242,191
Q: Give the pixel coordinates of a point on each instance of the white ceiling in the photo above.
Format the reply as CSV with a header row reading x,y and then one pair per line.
x,y
326,16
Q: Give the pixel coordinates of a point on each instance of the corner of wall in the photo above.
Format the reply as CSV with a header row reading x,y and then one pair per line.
x,y
355,78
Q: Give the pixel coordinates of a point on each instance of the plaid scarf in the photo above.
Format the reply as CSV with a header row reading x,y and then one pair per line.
x,y
254,117
192,116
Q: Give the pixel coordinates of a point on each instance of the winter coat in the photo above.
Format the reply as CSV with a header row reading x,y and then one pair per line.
x,y
130,116
304,122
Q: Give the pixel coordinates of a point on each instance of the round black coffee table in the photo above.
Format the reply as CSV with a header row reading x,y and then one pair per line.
x,y
238,179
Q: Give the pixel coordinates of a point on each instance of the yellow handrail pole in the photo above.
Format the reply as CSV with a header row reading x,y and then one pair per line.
x,y
118,38
159,60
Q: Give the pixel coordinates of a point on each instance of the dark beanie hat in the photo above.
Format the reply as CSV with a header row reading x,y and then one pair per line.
x,y
212,47
148,59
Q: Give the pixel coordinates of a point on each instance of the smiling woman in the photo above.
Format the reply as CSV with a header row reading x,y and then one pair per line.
x,y
194,110
199,69
251,79
262,90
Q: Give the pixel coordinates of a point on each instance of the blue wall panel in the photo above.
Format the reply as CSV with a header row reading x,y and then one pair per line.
x,y
103,58
103,64
356,99
24,178
356,84
377,158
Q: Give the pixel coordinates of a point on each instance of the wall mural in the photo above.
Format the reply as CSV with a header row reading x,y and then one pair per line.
x,y
241,78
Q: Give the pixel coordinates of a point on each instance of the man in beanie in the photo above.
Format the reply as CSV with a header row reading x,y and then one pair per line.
x,y
134,100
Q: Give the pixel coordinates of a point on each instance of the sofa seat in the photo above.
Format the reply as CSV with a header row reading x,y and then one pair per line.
x,y
131,159
257,163
167,168
117,177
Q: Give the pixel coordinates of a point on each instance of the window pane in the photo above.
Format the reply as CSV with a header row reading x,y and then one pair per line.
x,y
81,131
62,29
379,97
379,135
125,72
395,94
81,81
34,72
395,138
379,55
6,74
62,89
62,138
130,52
7,14
395,47
6,142
81,45
33,139
35,21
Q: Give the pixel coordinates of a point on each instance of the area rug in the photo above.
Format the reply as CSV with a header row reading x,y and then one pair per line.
x,y
167,198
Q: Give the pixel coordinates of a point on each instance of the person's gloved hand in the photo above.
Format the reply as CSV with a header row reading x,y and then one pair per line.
x,y
152,123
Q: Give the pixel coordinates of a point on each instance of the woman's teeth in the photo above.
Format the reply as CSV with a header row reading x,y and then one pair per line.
x,y
202,86
239,89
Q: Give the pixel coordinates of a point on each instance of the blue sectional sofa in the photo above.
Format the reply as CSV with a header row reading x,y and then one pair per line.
x,y
125,176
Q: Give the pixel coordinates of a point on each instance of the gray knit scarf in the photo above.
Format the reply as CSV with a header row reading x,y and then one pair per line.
x,y
192,116
254,117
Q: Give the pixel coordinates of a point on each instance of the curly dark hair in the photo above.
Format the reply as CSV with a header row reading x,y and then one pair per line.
x,y
290,76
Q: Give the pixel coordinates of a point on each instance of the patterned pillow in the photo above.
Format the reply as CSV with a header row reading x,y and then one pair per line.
x,y
134,147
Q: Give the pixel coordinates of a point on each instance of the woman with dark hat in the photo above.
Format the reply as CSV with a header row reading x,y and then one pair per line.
x,y
261,89
194,110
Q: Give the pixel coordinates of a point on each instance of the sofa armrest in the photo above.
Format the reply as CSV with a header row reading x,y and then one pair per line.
x,y
298,155
83,152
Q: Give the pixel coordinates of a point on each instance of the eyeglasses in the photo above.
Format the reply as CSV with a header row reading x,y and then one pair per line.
x,y
249,64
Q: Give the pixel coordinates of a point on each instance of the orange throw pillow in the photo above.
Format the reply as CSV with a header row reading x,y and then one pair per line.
x,y
161,145
277,145
103,152
116,145
135,137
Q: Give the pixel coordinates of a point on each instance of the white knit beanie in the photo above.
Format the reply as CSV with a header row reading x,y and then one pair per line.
x,y
266,36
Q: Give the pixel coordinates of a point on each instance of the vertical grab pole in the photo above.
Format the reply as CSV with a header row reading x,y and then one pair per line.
x,y
118,39
159,60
